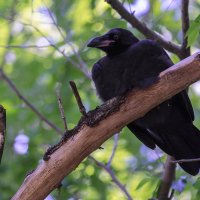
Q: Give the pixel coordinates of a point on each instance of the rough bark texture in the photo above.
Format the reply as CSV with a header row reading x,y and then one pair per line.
x,y
86,138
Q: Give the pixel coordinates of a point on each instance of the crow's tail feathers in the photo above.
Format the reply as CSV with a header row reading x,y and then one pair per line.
x,y
180,142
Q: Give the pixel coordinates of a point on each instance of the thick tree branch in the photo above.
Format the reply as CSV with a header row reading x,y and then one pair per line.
x,y
142,27
102,123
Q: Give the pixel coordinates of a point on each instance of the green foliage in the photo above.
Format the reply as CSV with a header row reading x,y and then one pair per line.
x,y
194,31
36,71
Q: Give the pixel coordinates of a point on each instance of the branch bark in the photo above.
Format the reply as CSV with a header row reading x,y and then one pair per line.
x,y
2,130
142,27
86,139
185,51
186,160
167,179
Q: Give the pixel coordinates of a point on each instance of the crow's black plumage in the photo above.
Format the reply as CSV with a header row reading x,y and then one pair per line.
x,y
130,63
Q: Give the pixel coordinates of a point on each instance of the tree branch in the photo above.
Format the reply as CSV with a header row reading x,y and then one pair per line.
x,y
20,46
112,175
142,27
78,98
186,160
116,139
185,51
61,107
101,123
81,64
2,130
28,104
167,179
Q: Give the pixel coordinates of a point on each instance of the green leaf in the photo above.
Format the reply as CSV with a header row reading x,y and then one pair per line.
x,y
142,183
193,31
192,38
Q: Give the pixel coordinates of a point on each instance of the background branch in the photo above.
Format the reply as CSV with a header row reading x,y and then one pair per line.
x,y
185,26
116,139
112,175
2,130
4,77
80,64
186,160
167,179
86,139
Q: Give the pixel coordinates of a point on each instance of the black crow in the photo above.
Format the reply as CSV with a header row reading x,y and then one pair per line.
x,y
130,63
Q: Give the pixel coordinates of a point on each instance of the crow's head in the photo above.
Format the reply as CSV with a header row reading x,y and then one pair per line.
x,y
114,41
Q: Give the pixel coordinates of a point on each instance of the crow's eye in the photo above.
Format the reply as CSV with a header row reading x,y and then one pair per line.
x,y
115,37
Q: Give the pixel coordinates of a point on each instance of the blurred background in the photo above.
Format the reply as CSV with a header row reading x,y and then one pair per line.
x,y
43,47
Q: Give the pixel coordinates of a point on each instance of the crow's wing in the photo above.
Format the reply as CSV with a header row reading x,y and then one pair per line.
x,y
151,60
142,134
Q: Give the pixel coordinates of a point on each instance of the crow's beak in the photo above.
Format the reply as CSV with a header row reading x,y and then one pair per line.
x,y
100,42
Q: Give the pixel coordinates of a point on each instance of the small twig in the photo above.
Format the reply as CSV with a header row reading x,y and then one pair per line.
x,y
25,46
116,139
54,21
167,179
53,45
78,98
61,108
77,65
186,160
2,130
114,178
